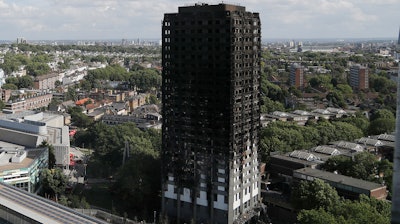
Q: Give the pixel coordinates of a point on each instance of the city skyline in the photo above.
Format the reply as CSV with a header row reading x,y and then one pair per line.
x,y
112,19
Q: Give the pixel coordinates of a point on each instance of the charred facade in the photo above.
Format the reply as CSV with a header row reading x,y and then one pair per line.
x,y
211,116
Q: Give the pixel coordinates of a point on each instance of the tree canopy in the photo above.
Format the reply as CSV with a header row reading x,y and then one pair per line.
x,y
53,182
314,194
363,166
320,204
364,210
108,143
282,136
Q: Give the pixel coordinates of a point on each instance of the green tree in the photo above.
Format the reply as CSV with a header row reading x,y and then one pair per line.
x,y
25,82
53,182
57,83
360,122
37,69
313,195
153,99
360,212
362,166
365,210
139,180
9,86
72,94
317,216
346,131
382,84
345,89
52,157
145,79
86,85
10,64
41,58
2,105
385,173
337,99
340,164
381,114
12,80
269,106
78,118
381,125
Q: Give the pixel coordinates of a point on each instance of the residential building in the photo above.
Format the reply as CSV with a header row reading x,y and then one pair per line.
x,y
46,82
137,101
297,75
28,102
5,94
2,76
359,77
211,116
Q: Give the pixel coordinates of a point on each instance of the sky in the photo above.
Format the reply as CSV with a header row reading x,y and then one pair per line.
x,y
132,19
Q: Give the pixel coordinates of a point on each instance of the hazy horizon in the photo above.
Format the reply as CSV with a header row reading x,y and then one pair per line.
x,y
132,19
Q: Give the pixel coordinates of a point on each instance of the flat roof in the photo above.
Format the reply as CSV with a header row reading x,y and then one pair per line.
x,y
13,166
30,157
296,160
206,7
338,178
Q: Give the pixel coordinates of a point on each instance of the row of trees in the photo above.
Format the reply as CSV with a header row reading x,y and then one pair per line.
x,y
287,136
144,79
35,65
21,82
89,48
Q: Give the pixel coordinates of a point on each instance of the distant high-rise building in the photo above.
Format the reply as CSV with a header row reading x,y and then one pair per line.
x,y
211,116
296,75
21,40
359,77
398,39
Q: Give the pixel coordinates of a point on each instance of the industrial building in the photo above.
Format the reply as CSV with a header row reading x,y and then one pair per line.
x,y
211,116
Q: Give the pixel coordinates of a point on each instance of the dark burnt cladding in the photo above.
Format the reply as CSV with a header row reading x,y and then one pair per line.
x,y
211,116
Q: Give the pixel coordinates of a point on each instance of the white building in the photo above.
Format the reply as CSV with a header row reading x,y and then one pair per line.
x,y
30,129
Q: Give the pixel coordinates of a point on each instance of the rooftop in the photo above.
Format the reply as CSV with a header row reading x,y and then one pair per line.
x,y
369,141
337,178
206,7
9,150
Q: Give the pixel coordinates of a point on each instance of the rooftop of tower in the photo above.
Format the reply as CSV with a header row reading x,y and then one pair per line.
x,y
206,7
